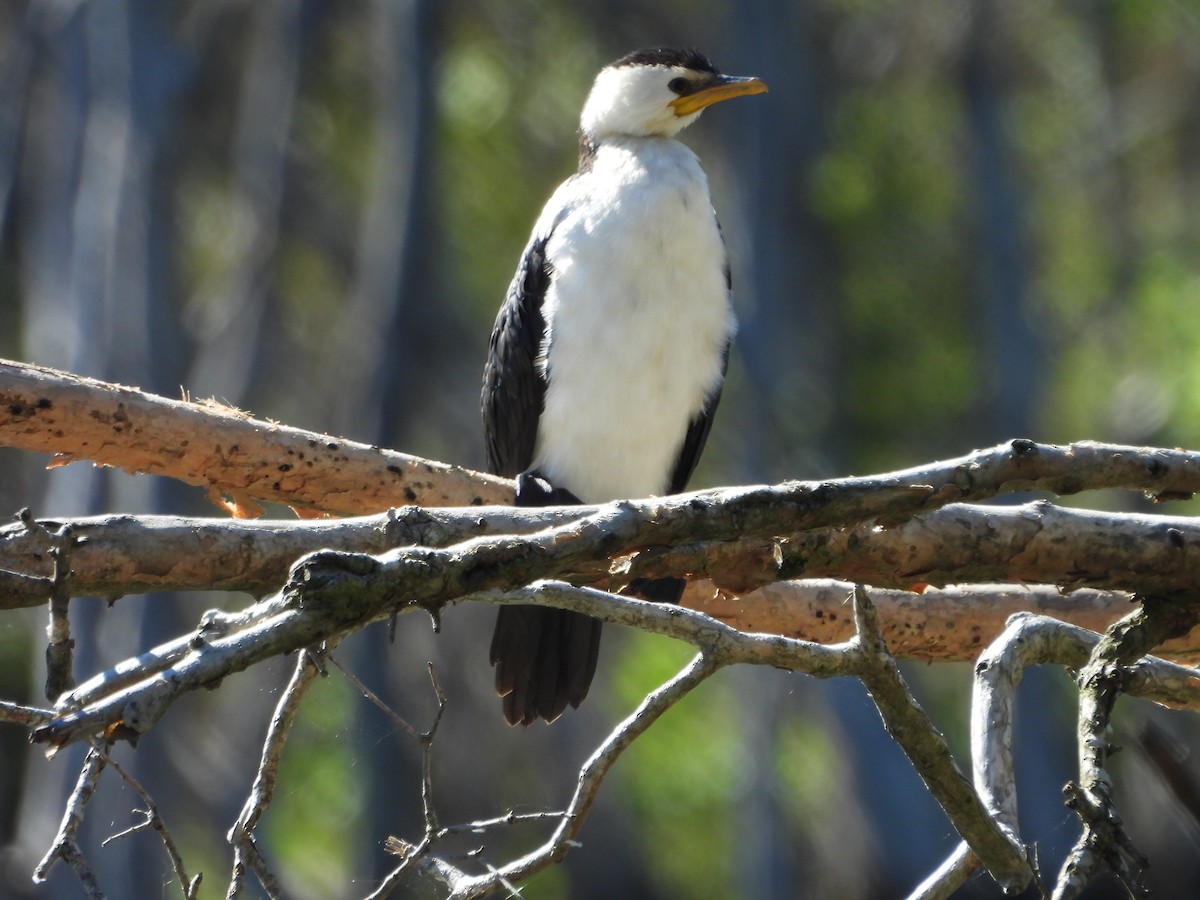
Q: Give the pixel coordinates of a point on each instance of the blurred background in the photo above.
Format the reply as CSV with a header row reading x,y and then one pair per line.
x,y
950,224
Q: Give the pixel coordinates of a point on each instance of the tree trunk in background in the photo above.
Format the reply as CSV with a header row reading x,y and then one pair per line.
x,y
95,236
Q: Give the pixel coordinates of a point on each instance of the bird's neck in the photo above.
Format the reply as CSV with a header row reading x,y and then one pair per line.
x,y
590,144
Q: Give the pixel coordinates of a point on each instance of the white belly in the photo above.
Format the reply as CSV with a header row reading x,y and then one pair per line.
x,y
637,318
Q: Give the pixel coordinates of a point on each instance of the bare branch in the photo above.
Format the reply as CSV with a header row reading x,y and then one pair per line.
x,y
226,452
929,753
956,871
66,845
930,623
590,778
189,886
960,543
902,530
1032,640
116,555
28,716
1104,842
417,857
374,698
221,449
241,835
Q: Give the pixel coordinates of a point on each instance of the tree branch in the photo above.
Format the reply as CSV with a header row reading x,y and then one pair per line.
x,y
590,777
221,449
1034,640
226,452
66,845
241,835
905,529
1104,843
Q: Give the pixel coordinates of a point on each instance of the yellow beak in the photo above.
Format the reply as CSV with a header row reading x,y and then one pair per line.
x,y
722,89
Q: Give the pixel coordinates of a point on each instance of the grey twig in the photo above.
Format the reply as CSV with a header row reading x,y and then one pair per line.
x,y
60,646
28,716
374,698
65,845
1104,843
241,835
153,819
910,727
1034,640
590,778
958,868
418,857
121,554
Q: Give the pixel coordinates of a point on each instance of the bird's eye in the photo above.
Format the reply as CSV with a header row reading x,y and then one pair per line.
x,y
678,85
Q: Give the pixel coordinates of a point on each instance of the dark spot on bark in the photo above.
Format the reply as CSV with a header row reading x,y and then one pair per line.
x,y
45,403
477,501
410,495
15,409
285,467
331,446
395,470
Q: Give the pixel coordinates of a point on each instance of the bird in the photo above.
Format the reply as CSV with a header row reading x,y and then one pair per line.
x,y
609,351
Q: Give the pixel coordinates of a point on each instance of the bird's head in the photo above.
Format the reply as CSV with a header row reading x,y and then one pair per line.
x,y
655,93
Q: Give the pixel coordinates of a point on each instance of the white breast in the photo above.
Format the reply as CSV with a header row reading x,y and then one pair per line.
x,y
637,318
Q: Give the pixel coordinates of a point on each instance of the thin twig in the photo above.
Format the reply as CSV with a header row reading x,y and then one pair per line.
x,y
59,646
241,834
591,775
374,698
1104,842
909,726
154,819
29,716
418,856
66,844
512,817
1033,640
960,866
427,738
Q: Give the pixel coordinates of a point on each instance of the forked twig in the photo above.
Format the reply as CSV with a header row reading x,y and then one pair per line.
x,y
153,819
65,845
241,835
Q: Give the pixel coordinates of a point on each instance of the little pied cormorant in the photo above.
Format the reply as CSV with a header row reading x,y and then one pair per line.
x,y
609,351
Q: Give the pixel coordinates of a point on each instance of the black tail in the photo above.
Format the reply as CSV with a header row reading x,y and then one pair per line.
x,y
544,657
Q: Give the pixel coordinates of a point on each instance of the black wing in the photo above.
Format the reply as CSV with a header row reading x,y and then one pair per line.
x,y
697,433
513,389
544,658
701,424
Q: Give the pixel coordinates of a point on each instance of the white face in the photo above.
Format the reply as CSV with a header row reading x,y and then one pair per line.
x,y
636,101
